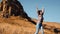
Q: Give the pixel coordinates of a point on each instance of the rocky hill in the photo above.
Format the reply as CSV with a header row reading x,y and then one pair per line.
x,y
10,8
14,20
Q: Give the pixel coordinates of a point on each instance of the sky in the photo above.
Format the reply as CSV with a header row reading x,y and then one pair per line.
x,y
52,9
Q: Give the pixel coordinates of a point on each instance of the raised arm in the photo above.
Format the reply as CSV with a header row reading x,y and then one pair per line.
x,y
36,9
43,10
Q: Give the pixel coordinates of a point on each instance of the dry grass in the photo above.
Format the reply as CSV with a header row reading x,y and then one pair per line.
x,y
16,25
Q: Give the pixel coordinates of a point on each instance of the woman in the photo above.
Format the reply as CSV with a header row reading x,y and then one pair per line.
x,y
39,22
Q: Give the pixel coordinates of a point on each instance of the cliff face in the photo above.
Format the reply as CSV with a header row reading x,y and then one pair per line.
x,y
12,7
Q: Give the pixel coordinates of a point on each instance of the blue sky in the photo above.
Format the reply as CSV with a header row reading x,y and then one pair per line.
x,y
52,9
